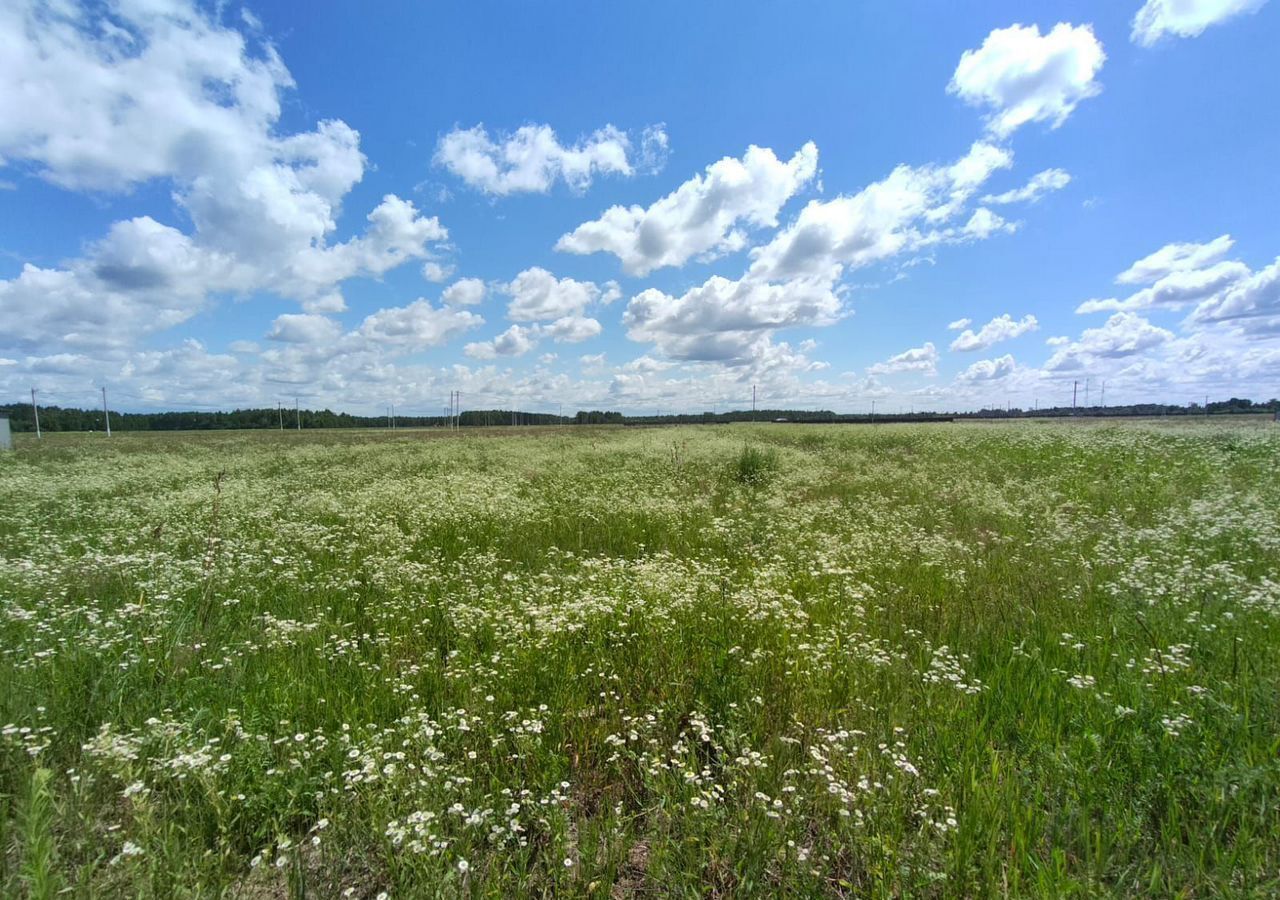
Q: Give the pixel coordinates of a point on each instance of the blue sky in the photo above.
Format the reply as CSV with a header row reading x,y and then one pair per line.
x,y
561,204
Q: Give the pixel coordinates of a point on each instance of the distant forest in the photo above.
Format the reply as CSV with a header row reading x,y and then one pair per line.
x,y
55,418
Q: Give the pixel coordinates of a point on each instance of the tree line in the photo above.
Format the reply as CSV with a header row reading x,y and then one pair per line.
x,y
57,418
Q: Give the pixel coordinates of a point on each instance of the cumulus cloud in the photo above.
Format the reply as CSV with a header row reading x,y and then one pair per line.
x,y
917,359
1001,328
701,218
1040,184
532,159
1177,257
304,328
988,369
464,292
515,341
104,99
959,324
1022,76
725,321
1252,302
1176,289
1124,334
435,272
417,326
1185,18
905,210
538,296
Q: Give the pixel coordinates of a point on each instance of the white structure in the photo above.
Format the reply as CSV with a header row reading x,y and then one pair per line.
x,y
6,439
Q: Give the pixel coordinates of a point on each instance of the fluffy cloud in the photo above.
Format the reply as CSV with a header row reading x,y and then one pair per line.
x,y
917,359
1252,302
1023,76
532,159
1175,289
435,272
537,295
105,99
572,329
305,328
988,370
905,210
417,326
1001,328
464,292
1182,274
1172,258
515,341
1124,334
959,324
1185,18
1040,184
725,321
702,217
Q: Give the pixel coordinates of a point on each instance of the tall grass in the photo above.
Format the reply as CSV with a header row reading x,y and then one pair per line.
x,y
1024,660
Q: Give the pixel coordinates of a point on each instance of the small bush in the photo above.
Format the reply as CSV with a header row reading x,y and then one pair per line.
x,y
755,466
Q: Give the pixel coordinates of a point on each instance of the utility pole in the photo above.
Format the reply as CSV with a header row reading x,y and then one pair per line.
x,y
1103,401
388,417
280,413
36,410
1075,385
873,407
106,414
1086,393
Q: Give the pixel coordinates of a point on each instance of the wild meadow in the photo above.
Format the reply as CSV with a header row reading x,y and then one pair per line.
x,y
945,660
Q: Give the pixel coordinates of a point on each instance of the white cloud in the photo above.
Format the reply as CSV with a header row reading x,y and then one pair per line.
x,y
1023,76
417,326
303,328
537,295
1175,258
917,359
903,211
515,341
464,292
1176,289
532,159
571,329
1253,303
1185,18
988,369
725,321
435,272
984,223
959,324
1040,184
1001,328
1124,334
701,218
105,99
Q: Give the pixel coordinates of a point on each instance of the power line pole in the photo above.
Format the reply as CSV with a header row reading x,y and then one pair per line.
x,y
1075,385
280,413
36,410
1103,401
106,414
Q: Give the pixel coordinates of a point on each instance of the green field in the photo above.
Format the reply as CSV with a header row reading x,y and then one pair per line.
x,y
1030,659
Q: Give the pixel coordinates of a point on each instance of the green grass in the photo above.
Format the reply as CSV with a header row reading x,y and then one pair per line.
x,y
1035,659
